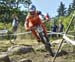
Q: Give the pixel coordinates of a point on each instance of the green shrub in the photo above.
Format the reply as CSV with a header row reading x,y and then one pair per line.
x,y
1,26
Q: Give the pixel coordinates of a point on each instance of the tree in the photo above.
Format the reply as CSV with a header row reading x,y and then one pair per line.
x,y
8,7
61,10
73,5
26,3
69,9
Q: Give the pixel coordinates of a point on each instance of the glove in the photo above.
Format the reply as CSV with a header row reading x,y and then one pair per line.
x,y
47,17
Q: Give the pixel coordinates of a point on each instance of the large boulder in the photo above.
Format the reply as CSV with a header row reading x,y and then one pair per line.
x,y
25,60
4,57
19,49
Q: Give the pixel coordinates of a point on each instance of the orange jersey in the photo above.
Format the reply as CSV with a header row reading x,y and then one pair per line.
x,y
32,21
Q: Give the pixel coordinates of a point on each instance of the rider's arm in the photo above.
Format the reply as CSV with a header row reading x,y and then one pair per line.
x,y
40,13
46,17
26,24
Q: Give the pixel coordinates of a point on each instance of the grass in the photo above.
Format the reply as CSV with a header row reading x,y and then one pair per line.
x,y
41,55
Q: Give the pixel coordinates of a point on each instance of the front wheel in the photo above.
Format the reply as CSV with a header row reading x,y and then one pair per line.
x,y
45,41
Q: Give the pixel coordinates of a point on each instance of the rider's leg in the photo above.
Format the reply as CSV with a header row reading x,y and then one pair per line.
x,y
35,34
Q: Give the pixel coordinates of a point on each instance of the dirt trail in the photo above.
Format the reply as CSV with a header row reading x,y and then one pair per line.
x,y
41,54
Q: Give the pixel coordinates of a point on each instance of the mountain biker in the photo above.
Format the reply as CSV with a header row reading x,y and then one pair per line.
x,y
33,19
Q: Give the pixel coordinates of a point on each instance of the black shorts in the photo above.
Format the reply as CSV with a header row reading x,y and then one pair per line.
x,y
14,28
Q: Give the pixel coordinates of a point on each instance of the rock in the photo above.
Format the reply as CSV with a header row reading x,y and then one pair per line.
x,y
62,52
25,60
56,41
4,57
19,49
